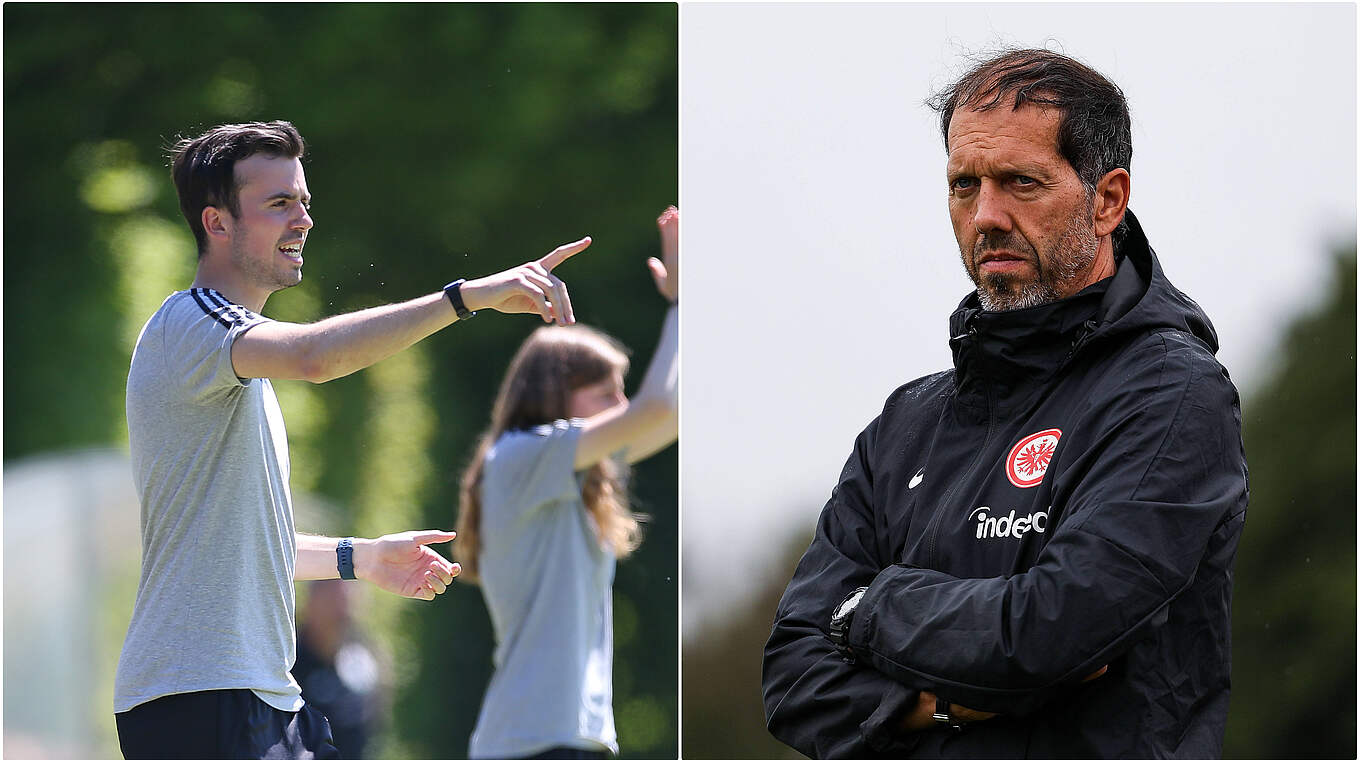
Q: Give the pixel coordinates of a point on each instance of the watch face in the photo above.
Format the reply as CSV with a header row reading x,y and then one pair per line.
x,y
848,606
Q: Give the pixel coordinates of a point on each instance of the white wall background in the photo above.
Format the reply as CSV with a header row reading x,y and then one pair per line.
x,y
820,267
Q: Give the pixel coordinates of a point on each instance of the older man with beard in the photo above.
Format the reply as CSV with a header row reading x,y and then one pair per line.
x,y
1044,533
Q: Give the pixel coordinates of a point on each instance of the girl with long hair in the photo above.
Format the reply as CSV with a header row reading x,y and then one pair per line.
x,y
545,515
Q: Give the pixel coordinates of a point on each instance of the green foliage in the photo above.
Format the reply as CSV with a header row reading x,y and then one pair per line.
x,y
724,715
1294,593
444,141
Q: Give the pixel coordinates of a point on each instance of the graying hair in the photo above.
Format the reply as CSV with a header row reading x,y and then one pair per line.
x,y
1094,132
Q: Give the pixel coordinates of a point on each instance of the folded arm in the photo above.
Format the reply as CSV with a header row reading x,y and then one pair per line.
x,y
1104,580
815,701
1161,479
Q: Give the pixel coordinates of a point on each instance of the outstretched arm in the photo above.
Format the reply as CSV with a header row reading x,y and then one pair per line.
x,y
402,563
343,344
649,421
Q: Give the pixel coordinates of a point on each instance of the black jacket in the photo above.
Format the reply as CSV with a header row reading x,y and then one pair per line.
x,y
1069,496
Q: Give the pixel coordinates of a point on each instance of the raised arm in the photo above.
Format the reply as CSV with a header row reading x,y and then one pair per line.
x,y
402,563
343,344
649,421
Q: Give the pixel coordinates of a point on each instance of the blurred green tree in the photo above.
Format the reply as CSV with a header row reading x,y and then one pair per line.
x,y
724,712
444,141
1294,591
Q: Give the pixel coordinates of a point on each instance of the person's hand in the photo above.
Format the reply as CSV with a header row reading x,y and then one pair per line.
x,y
530,288
666,270
1097,674
404,564
923,715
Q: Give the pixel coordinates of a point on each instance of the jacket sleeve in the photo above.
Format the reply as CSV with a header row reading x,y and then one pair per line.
x,y
815,701
1165,472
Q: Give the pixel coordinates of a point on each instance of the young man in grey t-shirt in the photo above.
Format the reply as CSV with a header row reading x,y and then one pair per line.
x,y
204,670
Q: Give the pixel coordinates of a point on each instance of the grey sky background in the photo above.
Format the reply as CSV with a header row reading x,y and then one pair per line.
x,y
820,266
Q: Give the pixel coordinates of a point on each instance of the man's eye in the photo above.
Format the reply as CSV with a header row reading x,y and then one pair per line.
x,y
962,183
1021,179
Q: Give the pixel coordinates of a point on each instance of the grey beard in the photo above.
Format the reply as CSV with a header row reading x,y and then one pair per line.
x,y
1073,253
1034,294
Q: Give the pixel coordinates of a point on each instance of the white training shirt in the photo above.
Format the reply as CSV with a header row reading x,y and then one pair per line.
x,y
548,584
214,605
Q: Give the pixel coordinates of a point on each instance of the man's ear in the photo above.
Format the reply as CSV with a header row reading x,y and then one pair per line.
x,y
215,223
1112,197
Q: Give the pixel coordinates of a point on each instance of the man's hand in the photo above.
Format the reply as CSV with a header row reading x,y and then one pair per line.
x,y
923,715
1097,674
404,564
530,288
666,270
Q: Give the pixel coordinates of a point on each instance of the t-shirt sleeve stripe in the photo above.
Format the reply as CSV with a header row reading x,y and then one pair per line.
x,y
235,313
198,295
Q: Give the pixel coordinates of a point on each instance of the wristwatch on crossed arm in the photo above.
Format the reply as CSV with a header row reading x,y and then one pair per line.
x,y
841,618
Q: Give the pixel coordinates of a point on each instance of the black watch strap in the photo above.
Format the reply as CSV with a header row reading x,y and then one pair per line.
x,y
841,618
456,298
942,715
344,558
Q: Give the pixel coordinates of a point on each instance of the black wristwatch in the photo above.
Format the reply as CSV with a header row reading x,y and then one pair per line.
x,y
344,558
456,298
841,618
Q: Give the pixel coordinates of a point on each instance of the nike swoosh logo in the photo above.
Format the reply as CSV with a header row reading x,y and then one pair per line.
x,y
916,479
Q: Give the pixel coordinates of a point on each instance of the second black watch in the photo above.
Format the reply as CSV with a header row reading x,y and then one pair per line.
x,y
456,298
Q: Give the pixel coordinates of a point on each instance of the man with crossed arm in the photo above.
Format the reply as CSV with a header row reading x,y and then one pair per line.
x,y
204,670
1044,533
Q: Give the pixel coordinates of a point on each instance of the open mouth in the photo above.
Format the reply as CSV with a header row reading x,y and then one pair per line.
x,y
292,250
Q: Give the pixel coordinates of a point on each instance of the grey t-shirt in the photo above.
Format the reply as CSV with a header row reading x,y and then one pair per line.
x,y
548,585
214,606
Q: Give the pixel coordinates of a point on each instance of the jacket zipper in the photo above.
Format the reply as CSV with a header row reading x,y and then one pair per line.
x,y
1088,328
932,540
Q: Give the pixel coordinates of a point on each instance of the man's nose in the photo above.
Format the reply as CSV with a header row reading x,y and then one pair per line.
x,y
303,221
991,212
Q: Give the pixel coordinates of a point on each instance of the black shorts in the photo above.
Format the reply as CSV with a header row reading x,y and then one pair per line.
x,y
228,723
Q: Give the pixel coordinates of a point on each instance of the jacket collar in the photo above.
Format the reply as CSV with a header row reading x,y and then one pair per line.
x,y
1006,355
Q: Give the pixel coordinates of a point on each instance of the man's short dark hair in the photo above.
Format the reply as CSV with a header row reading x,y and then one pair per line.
x,y
1094,133
203,167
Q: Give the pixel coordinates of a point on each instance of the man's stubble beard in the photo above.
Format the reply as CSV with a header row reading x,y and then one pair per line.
x,y
1070,255
260,274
